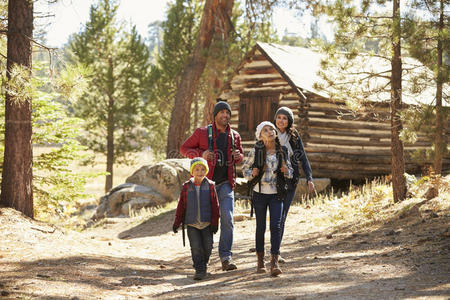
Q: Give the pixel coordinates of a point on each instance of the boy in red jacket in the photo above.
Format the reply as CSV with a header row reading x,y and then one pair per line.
x,y
198,208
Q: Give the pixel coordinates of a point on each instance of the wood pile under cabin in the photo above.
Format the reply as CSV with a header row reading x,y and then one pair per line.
x,y
340,144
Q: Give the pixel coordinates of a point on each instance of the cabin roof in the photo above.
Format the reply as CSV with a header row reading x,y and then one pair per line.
x,y
300,68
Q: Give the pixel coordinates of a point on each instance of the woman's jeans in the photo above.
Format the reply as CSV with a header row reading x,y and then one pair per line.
x,y
260,204
290,193
201,241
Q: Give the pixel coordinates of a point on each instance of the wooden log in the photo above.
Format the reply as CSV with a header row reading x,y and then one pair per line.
x,y
316,122
257,63
377,134
258,70
366,168
355,141
257,79
346,115
289,103
349,158
260,90
311,148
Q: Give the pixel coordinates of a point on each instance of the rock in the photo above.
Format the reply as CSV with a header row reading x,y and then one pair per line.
x,y
321,184
149,186
166,177
125,197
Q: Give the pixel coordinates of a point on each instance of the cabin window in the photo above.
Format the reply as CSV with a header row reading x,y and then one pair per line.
x,y
255,108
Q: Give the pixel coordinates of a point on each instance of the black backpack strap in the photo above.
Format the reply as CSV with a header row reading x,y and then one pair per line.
x,y
259,162
233,147
185,190
210,138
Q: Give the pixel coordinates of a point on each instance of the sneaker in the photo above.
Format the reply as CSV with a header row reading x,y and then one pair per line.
x,y
228,265
281,260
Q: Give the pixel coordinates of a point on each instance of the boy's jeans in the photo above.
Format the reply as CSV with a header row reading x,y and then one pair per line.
x,y
201,242
225,196
260,204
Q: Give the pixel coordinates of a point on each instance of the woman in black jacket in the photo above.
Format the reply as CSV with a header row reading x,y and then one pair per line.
x,y
290,138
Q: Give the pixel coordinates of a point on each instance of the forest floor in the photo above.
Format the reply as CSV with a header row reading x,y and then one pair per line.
x,y
404,255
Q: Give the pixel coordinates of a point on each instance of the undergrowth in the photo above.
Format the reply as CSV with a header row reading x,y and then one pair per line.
x,y
373,201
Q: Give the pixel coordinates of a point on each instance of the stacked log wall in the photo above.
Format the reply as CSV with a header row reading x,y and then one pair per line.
x,y
339,143
343,145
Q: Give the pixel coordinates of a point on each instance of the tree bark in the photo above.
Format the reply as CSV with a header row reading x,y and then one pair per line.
x,y
398,162
110,135
439,142
191,75
189,81
17,176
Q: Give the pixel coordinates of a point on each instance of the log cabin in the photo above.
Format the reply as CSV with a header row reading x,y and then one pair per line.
x,y
340,143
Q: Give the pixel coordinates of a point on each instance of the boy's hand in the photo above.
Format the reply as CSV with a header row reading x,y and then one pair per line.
x,y
175,228
214,229
255,172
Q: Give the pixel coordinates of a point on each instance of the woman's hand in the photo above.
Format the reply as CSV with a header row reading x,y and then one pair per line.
x,y
284,169
311,187
255,172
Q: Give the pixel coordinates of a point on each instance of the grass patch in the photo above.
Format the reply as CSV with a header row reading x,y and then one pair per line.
x,y
373,202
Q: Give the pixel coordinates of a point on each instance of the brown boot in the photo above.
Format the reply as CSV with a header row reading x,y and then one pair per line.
x,y
261,263
274,268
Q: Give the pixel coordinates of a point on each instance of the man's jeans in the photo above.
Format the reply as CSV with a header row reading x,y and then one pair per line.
x,y
225,196
260,204
287,204
201,242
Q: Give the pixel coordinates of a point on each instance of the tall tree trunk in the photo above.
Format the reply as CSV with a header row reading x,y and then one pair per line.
x,y
17,176
439,142
191,75
223,27
398,162
110,147
195,123
110,131
208,109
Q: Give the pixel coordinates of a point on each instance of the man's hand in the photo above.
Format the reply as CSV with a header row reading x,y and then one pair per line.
x,y
175,228
255,172
236,154
214,229
311,187
208,155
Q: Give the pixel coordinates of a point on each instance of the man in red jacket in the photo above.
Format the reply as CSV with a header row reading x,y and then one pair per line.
x,y
221,147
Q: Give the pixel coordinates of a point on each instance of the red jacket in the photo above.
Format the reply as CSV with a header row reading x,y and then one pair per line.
x,y
182,204
197,143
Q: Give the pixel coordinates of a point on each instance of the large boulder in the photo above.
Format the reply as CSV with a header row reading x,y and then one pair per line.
x,y
166,177
149,186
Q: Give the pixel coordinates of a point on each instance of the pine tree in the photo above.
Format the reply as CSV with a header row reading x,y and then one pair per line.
x,y
17,175
428,40
354,77
178,33
112,105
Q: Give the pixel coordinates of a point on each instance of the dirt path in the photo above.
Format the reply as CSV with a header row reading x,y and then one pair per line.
x,y
405,258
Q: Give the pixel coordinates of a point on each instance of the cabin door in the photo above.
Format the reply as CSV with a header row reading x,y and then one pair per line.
x,y
255,108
